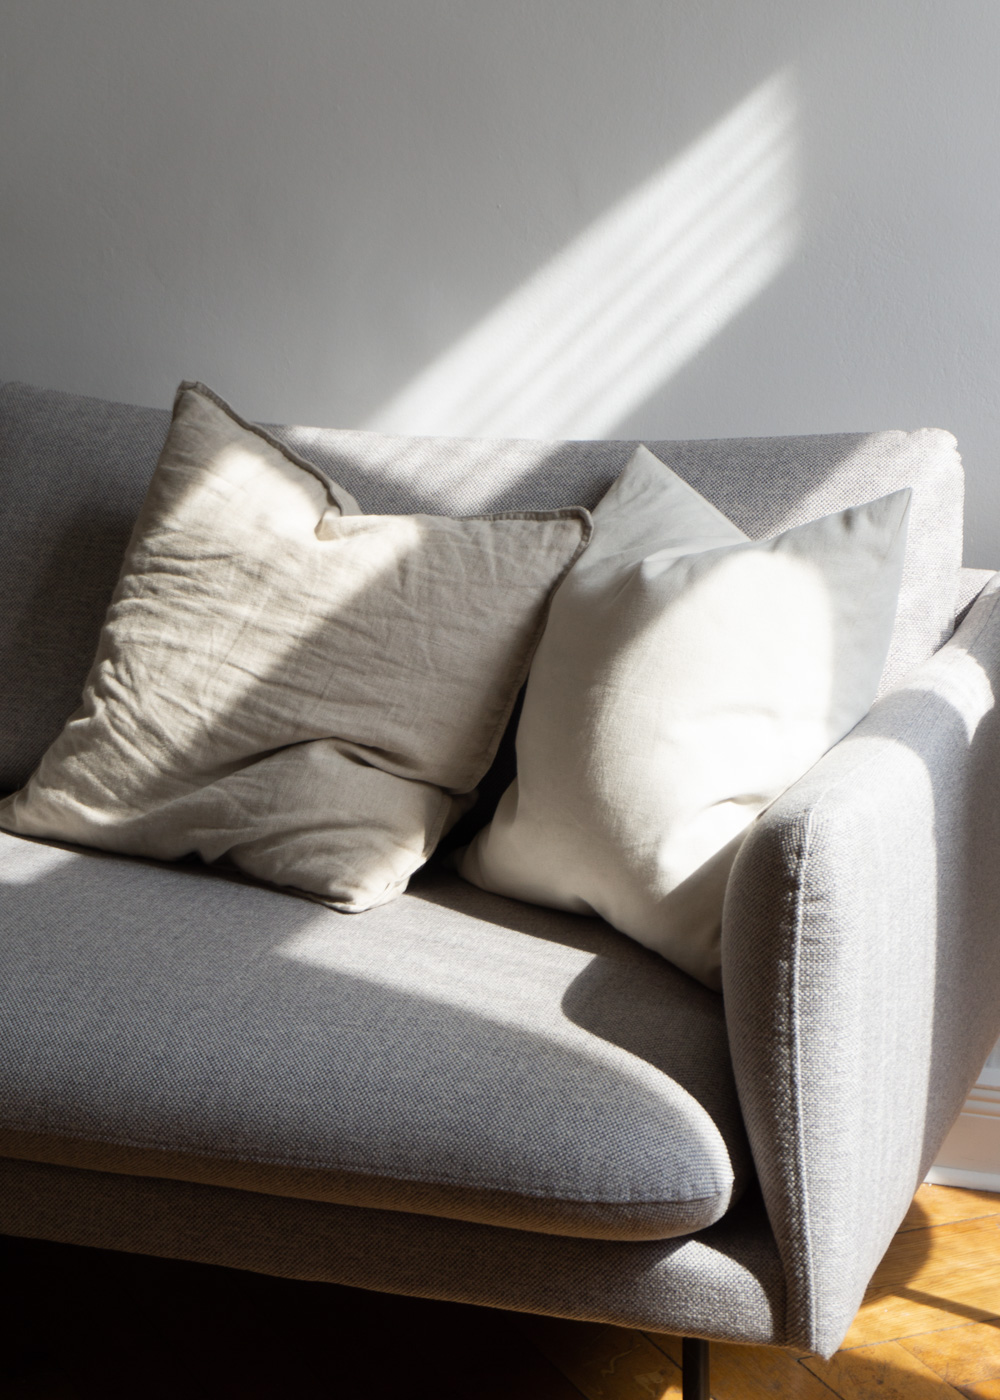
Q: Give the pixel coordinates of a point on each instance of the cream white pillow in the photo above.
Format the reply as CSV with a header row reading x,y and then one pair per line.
x,y
283,681
686,676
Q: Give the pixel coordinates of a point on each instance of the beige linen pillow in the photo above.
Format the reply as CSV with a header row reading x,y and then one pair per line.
x,y
686,676
288,683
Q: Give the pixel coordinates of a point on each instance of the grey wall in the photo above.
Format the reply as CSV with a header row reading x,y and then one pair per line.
x,y
632,219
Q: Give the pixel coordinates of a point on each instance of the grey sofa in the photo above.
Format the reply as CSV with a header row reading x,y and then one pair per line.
x,y
461,1096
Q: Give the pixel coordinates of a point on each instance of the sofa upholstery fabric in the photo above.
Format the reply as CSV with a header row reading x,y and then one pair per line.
x,y
452,1053
862,969
724,1282
74,470
861,962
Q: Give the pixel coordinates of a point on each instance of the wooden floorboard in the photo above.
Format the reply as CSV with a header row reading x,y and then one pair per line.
x,y
605,1363
918,1288
943,1205
87,1325
963,1356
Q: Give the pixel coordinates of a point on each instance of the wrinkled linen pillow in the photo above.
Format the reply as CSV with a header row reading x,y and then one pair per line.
x,y
685,677
288,683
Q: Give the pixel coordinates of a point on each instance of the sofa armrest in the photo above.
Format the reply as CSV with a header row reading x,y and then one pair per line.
x,y
861,966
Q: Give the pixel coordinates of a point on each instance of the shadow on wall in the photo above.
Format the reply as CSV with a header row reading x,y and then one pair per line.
x,y
632,298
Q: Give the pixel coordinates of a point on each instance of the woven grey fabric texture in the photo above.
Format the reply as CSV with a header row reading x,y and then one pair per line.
x,y
452,1052
971,583
861,966
855,1030
73,472
726,1282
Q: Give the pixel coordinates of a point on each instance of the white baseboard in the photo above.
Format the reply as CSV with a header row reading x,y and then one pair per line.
x,y
971,1181
970,1154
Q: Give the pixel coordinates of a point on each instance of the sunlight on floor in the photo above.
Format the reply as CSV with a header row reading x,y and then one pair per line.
x,y
631,299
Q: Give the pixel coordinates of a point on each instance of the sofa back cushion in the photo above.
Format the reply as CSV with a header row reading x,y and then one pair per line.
x,y
74,470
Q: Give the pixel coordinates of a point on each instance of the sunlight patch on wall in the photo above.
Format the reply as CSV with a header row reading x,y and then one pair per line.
x,y
609,320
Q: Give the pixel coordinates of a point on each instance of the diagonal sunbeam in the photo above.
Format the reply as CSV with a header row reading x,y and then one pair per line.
x,y
632,298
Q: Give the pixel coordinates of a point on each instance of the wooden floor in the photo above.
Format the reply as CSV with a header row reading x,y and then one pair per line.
x,y
81,1324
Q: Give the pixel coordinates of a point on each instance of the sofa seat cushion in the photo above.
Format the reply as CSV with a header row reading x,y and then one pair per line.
x,y
454,1054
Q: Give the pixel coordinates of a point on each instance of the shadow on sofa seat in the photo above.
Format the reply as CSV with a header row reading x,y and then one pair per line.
x,y
450,1054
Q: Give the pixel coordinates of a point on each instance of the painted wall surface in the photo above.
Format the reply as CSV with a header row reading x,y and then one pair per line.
x,y
540,217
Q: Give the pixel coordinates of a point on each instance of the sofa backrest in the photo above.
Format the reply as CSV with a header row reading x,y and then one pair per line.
x,y
73,471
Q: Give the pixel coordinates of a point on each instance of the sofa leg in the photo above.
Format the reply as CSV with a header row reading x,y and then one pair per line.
x,y
694,1367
